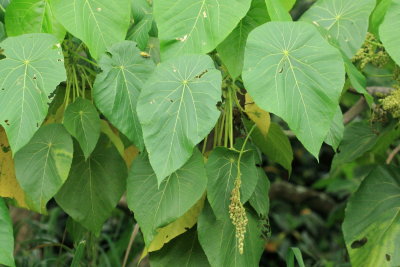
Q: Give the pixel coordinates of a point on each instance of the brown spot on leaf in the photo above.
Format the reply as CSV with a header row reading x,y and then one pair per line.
x,y
359,243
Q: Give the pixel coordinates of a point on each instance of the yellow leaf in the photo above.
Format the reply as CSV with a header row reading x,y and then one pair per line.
x,y
184,223
130,154
259,116
9,186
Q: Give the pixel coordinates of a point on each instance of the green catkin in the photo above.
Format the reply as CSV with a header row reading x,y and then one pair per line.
x,y
372,52
237,213
391,103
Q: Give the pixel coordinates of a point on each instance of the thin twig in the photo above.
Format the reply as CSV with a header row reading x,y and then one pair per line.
x,y
128,250
392,154
354,111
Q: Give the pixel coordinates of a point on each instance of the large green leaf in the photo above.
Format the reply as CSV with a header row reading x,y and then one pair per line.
x,y
371,226
6,236
98,23
222,170
184,251
2,32
94,186
83,122
156,206
346,21
32,69
260,199
335,133
32,16
177,109
217,237
116,90
276,145
292,71
388,32
231,50
42,166
196,27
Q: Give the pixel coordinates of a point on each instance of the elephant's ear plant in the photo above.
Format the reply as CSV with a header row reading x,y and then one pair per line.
x,y
177,103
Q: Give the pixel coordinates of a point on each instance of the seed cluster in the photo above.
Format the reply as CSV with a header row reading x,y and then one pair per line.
x,y
371,52
237,214
391,103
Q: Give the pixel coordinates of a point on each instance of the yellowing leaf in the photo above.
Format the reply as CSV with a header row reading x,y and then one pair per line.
x,y
9,186
259,116
184,223
107,129
130,154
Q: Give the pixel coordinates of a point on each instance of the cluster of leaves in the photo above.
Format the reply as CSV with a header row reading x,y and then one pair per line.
x,y
169,101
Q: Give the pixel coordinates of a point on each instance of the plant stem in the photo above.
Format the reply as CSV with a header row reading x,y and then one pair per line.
x,y
128,249
243,146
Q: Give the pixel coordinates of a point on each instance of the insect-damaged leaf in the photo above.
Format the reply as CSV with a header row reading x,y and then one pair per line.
x,y
177,109
32,69
117,88
293,72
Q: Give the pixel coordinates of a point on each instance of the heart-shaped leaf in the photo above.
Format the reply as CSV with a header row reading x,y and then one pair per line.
x,y
177,109
33,67
292,71
42,166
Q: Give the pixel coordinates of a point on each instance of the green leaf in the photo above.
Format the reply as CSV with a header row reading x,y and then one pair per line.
x,y
94,186
222,170
177,109
143,21
378,15
185,250
277,11
32,16
83,122
2,32
371,226
358,138
153,48
197,27
231,50
292,254
308,76
335,134
32,69
276,145
116,90
6,236
98,23
42,166
155,205
388,32
217,238
260,200
346,21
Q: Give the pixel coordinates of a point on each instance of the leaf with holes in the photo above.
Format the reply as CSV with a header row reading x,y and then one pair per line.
x,y
346,21
293,72
222,170
155,205
42,166
33,67
177,109
116,90
6,236
32,16
98,23
83,122
94,186
371,226
196,27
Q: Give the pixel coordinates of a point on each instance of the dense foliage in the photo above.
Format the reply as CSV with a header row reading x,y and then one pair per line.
x,y
176,109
